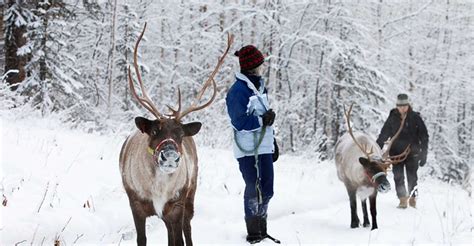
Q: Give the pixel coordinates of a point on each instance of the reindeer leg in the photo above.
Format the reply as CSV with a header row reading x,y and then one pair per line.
x,y
352,200
364,210
173,218
373,210
188,215
169,228
139,226
175,231
140,211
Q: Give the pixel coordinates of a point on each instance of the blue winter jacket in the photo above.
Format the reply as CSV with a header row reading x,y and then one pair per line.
x,y
245,106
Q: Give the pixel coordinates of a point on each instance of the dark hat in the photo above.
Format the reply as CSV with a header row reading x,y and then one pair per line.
x,y
249,57
402,100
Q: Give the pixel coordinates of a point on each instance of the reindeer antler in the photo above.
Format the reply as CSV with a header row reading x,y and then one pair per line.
x,y
349,129
392,160
144,99
179,115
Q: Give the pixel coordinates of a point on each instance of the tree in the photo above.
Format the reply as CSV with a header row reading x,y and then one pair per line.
x,y
52,83
321,55
17,16
2,38
127,29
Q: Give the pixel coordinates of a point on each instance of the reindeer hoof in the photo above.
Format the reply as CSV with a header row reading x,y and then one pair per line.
x,y
355,225
374,227
366,224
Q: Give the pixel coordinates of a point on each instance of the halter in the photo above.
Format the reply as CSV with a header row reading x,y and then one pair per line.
x,y
153,152
374,177
377,175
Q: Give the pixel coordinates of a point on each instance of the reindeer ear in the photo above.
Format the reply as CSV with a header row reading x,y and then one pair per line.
x,y
143,124
192,128
364,161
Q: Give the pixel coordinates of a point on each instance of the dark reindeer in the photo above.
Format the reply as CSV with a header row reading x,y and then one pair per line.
x,y
363,171
158,163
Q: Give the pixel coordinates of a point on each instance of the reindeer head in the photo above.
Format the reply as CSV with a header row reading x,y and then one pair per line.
x,y
166,133
376,166
165,140
376,173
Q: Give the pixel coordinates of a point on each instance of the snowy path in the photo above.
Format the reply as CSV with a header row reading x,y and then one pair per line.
x,y
73,180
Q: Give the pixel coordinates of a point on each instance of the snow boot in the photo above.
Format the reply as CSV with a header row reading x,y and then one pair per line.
x,y
253,230
412,202
263,230
403,202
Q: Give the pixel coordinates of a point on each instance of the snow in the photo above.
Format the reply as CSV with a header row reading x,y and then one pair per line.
x,y
24,50
65,185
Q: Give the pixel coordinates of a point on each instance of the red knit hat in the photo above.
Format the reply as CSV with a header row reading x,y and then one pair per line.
x,y
249,57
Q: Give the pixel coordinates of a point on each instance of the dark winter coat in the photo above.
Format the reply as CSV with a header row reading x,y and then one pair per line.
x,y
414,133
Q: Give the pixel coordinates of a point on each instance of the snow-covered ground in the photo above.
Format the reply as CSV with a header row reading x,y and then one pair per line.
x,y
65,185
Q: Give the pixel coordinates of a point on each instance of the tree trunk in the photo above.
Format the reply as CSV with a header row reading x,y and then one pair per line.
x,y
241,26
111,57
253,39
126,98
441,112
379,25
316,93
320,69
411,58
162,24
2,40
44,73
222,16
14,40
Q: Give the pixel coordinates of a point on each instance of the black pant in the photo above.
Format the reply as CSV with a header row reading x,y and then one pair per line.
x,y
411,166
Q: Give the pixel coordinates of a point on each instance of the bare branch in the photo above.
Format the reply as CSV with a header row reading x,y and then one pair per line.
x,y
77,238
66,224
407,16
34,235
20,242
44,196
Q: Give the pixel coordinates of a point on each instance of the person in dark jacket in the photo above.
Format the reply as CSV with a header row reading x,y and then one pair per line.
x,y
252,119
413,133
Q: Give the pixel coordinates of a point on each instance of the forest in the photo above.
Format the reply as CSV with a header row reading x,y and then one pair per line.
x,y
68,59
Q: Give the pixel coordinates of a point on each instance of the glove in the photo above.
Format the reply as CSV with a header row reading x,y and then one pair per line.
x,y
422,160
276,153
268,118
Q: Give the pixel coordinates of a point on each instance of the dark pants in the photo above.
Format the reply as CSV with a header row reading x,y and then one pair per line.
x,y
411,166
249,173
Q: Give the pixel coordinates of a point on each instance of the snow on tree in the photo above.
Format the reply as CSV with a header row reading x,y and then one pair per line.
x,y
16,17
52,83
320,56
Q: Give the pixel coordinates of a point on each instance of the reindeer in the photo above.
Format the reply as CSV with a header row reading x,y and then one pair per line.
x,y
363,171
158,163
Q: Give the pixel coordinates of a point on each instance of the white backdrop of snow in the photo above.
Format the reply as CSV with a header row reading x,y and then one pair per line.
x,y
310,206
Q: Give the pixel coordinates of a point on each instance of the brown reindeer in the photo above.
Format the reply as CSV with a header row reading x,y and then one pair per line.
x,y
158,163
362,167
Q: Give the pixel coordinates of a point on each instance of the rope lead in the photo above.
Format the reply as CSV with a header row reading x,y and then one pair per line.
x,y
257,142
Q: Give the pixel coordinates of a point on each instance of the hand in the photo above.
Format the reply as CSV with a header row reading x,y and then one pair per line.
x,y
422,159
268,118
276,152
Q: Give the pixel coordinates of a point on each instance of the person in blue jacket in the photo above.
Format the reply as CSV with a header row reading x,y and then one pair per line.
x,y
252,119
